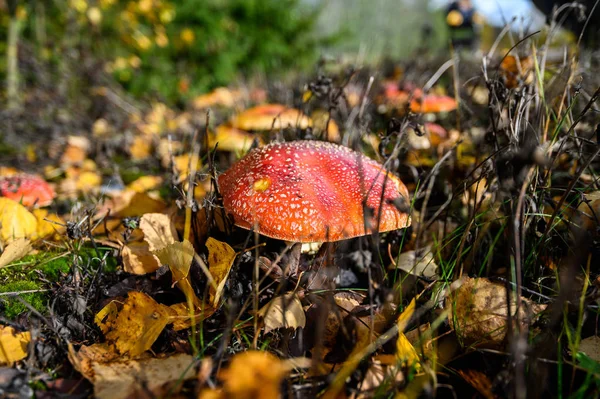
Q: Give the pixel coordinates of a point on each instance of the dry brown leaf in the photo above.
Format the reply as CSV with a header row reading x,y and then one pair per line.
x,y
178,256
13,345
137,258
479,381
158,229
129,203
591,347
138,324
283,312
84,359
478,312
142,378
15,250
418,263
253,374
16,221
220,260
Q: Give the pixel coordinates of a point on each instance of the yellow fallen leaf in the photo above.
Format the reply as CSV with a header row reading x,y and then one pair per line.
x,y
141,148
158,229
16,221
406,353
13,345
178,256
107,316
76,151
283,312
138,324
406,315
145,183
253,374
45,220
220,260
183,318
228,138
183,164
15,250
137,258
88,181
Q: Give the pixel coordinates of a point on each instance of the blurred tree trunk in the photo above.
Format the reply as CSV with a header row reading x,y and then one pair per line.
x,y
12,57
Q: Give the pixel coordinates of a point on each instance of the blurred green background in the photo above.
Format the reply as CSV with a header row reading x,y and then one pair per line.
x,y
175,49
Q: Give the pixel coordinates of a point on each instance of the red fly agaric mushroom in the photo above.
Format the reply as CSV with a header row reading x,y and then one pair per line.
x,y
312,191
29,190
270,116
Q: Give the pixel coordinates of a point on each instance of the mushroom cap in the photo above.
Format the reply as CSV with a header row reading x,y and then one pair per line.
x,y
433,104
311,191
270,116
29,190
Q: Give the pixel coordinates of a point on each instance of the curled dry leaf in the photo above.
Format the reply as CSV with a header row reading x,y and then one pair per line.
x,y
137,258
418,263
138,324
13,345
220,260
15,250
158,229
16,221
178,256
283,312
253,374
114,378
478,312
142,378
84,359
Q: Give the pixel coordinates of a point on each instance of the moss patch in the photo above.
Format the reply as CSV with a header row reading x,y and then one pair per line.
x,y
12,306
29,273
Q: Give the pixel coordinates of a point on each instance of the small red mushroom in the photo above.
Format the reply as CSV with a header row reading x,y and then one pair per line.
x,y
433,104
270,116
312,191
29,190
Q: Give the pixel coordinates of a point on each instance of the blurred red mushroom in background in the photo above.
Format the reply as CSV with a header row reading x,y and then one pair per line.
x,y
270,116
312,191
432,104
29,190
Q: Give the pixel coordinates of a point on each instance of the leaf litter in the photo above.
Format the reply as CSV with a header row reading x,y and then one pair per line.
x,y
163,295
